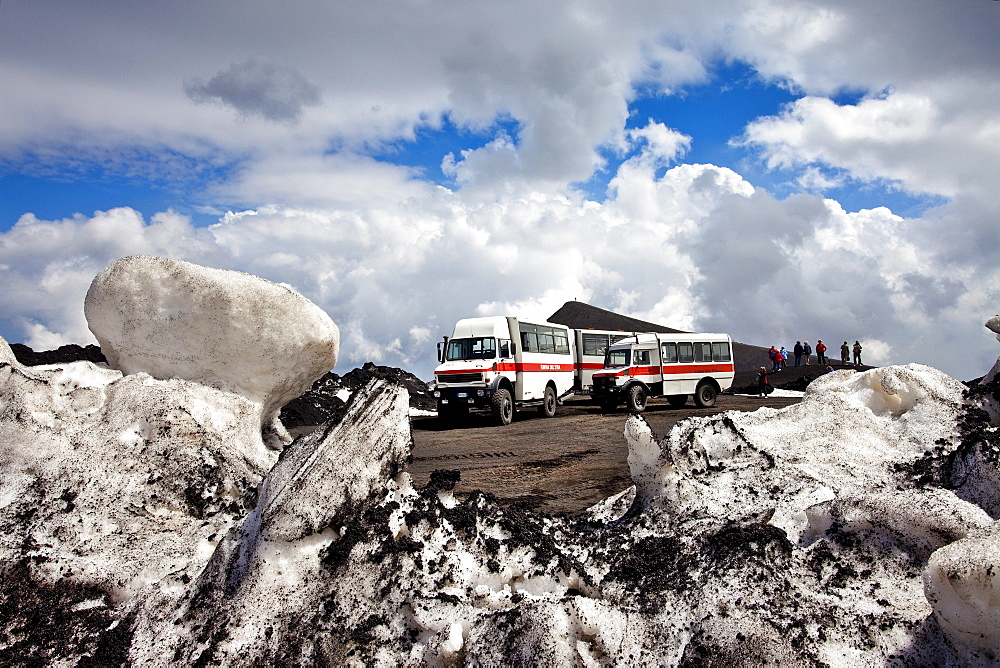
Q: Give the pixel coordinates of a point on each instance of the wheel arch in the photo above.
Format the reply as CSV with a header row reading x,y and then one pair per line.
x,y
628,386
504,382
711,381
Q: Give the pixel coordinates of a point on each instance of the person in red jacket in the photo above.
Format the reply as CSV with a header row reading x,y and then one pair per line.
x,y
821,351
762,385
775,358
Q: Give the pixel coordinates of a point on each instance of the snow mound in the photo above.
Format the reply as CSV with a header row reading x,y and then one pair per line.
x,y
112,485
226,329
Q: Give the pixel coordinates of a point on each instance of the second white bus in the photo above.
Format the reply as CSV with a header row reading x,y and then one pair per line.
x,y
674,366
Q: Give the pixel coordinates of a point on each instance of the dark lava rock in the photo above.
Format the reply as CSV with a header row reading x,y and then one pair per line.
x,y
792,378
61,355
321,403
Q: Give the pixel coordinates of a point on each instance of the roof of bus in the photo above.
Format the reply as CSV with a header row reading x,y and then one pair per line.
x,y
680,337
493,325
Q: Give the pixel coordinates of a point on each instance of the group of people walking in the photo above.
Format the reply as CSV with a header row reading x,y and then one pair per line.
x,y
802,353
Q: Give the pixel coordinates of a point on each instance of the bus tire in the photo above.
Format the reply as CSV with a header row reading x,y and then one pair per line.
x,y
548,407
677,400
635,398
502,406
704,395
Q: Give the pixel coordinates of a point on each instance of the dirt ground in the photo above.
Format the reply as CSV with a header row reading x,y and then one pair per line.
x,y
561,464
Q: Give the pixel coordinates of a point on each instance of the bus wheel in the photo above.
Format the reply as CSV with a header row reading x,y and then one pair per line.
x,y
677,400
704,396
636,398
503,406
548,407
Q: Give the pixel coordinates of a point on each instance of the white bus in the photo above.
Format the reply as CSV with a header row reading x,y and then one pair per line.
x,y
674,366
502,364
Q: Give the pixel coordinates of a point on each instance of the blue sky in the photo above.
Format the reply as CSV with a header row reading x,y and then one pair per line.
x,y
376,157
712,113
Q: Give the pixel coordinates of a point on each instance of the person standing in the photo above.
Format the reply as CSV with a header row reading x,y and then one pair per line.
x,y
775,357
784,356
845,354
762,383
807,351
820,352
797,351
857,353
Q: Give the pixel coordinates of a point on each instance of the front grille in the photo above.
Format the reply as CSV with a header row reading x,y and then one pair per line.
x,y
459,378
603,384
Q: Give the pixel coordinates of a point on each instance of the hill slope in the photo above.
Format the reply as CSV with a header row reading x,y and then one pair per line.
x,y
579,315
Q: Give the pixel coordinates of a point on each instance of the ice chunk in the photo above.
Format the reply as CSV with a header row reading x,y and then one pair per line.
x,y
993,324
6,354
273,562
962,582
225,329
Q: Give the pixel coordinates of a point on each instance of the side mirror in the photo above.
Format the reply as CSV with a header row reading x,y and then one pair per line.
x,y
513,349
441,347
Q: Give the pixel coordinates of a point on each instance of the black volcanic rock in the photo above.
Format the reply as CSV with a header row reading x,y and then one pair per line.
x,y
321,403
584,316
792,378
61,355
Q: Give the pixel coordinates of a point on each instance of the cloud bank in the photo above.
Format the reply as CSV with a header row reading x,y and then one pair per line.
x,y
307,193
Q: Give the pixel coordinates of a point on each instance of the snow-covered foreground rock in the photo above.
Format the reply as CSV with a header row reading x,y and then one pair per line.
x,y
110,486
145,522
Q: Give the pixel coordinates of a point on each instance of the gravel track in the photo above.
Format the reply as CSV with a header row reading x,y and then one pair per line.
x,y
561,464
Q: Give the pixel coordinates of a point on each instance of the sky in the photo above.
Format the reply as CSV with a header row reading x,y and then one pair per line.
x,y
780,171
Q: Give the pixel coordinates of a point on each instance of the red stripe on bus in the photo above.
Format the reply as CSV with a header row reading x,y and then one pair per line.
x,y
542,366
512,366
704,367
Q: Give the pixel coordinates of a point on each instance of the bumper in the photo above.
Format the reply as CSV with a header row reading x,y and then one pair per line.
x,y
461,397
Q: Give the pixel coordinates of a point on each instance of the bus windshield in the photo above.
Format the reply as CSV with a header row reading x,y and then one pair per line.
x,y
478,348
617,357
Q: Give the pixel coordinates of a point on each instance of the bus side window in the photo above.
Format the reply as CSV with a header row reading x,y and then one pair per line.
x,y
529,338
546,340
641,357
595,344
505,349
685,353
720,352
669,353
561,337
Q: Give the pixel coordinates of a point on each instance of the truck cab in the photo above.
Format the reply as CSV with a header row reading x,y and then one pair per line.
x,y
500,364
